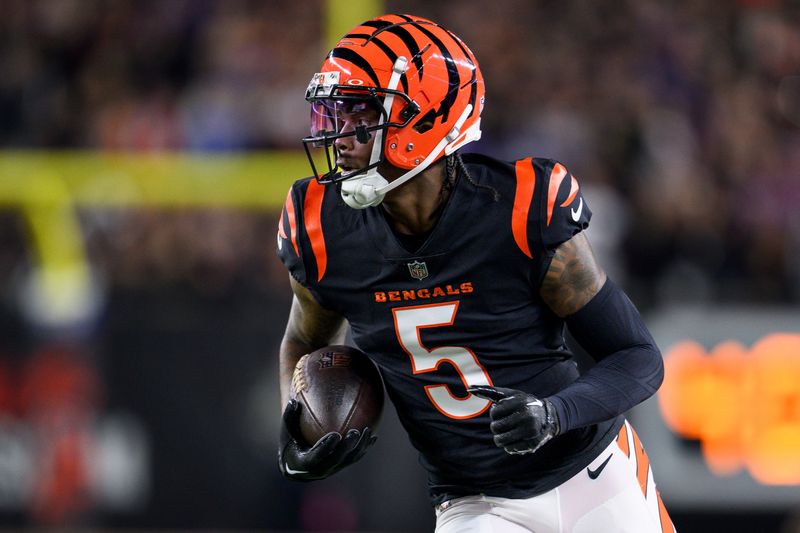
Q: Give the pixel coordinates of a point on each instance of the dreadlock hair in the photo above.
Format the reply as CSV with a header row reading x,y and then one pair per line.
x,y
454,166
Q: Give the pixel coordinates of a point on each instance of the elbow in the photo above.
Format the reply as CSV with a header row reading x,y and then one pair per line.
x,y
656,374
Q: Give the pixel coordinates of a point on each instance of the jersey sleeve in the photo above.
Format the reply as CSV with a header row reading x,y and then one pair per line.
x,y
549,209
301,239
562,209
289,242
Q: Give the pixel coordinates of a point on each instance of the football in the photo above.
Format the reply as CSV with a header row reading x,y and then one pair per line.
x,y
339,389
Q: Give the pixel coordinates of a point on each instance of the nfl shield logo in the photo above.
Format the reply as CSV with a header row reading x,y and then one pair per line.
x,y
334,359
418,270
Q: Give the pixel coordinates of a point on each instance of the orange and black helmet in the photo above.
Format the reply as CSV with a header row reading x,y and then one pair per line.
x,y
424,80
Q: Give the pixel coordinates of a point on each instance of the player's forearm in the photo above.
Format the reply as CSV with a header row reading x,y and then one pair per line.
x,y
292,349
290,352
630,367
304,334
610,388
310,327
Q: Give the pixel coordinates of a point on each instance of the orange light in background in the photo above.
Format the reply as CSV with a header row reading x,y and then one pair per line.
x,y
743,407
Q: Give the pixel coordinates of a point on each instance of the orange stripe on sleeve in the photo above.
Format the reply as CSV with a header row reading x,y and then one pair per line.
x,y
556,177
622,440
281,230
526,181
312,215
573,192
289,206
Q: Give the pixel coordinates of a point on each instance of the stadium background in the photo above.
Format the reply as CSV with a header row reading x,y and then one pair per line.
x,y
146,150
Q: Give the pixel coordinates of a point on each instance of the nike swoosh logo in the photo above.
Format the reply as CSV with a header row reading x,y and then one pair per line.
x,y
593,474
576,215
290,470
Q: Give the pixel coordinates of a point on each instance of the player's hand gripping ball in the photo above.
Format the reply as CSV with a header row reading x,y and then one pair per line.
x,y
336,404
521,423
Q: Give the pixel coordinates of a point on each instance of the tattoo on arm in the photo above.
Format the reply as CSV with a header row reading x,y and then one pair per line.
x,y
310,326
574,277
310,323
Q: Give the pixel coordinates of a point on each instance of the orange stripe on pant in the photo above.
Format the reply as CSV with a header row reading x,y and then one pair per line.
x,y
622,440
642,463
643,473
663,515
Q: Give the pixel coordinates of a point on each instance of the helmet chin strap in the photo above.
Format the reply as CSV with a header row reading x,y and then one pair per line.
x,y
449,138
370,188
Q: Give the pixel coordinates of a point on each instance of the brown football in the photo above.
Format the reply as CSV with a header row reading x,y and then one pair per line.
x,y
340,389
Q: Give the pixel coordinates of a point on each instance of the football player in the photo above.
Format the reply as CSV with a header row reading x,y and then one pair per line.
x,y
457,274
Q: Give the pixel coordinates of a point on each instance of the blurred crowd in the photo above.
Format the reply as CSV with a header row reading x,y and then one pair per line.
x,y
681,119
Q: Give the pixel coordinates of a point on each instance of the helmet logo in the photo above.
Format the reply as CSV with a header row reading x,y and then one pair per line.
x,y
418,270
322,83
355,81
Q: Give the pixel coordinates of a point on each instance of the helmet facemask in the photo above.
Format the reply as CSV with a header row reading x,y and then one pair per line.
x,y
329,104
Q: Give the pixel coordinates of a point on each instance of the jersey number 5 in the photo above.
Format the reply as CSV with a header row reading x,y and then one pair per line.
x,y
408,321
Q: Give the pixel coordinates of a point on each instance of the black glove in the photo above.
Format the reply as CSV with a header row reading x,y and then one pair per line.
x,y
521,423
327,456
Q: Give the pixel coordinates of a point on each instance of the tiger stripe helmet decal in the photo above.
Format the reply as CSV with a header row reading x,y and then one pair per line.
x,y
441,83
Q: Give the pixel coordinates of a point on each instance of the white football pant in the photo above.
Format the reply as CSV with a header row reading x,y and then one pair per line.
x,y
619,497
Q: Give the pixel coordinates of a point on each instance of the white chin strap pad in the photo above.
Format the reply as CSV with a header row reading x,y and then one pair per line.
x,y
362,192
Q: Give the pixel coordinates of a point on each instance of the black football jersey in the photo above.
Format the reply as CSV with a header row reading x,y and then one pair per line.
x,y
463,309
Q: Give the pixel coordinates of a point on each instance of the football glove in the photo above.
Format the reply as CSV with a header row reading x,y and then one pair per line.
x,y
327,456
521,423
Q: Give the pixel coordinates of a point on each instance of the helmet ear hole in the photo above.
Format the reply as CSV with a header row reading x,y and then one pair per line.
x,y
425,123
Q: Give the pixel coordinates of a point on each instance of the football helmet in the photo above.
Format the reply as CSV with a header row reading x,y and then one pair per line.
x,y
423,81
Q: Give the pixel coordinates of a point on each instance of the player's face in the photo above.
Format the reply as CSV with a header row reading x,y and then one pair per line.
x,y
353,151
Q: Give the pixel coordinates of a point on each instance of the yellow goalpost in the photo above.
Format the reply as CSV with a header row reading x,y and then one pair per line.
x,y
47,187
